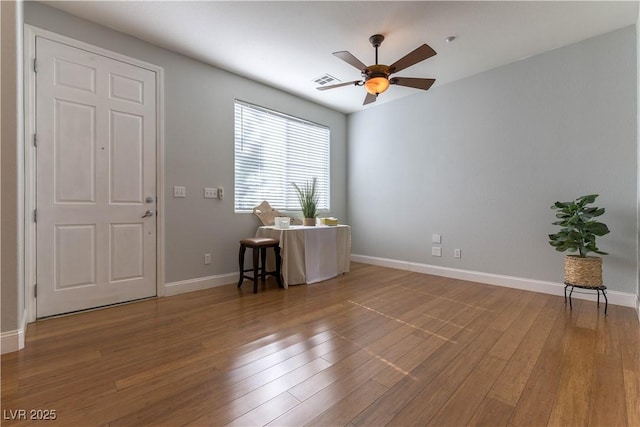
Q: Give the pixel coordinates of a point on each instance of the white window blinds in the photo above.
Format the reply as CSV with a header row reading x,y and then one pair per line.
x,y
272,150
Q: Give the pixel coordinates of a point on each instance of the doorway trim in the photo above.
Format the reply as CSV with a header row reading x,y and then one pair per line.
x,y
30,34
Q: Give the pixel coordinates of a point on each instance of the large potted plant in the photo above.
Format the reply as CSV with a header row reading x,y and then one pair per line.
x,y
308,198
578,234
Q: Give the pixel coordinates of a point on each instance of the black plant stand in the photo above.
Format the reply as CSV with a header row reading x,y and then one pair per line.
x,y
598,289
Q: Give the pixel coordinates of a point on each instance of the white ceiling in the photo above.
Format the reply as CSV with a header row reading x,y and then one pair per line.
x,y
289,44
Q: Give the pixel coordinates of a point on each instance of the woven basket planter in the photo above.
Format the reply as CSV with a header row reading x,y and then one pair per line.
x,y
583,271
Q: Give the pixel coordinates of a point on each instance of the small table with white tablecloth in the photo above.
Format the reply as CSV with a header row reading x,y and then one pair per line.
x,y
311,254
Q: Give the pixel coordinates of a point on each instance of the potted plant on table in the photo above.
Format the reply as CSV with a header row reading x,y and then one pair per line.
x,y
308,198
578,234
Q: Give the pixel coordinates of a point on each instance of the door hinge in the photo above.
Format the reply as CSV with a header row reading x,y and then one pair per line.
x,y
35,65
35,140
35,215
35,290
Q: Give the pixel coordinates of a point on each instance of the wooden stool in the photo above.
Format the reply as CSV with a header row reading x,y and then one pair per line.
x,y
259,244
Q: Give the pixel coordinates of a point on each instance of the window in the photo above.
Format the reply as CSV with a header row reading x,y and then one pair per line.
x,y
272,150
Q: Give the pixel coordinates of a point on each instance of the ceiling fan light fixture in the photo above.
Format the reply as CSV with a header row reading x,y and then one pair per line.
x,y
376,85
375,78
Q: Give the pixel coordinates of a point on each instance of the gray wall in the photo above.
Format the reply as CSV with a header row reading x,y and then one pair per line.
x,y
481,160
199,144
12,242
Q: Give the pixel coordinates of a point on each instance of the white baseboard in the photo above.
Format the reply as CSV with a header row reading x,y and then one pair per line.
x,y
190,285
615,297
11,341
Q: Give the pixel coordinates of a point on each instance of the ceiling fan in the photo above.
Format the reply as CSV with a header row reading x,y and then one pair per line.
x,y
376,77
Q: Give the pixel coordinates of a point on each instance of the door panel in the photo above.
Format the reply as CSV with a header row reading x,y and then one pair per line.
x,y
74,165
75,76
127,251
75,256
126,171
96,163
127,89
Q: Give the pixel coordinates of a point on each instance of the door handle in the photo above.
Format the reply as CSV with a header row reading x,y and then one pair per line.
x,y
148,213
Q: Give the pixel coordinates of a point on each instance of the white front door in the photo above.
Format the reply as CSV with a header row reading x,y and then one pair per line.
x,y
96,165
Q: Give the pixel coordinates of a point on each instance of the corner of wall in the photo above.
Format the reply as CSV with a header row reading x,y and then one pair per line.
x,y
11,341
638,162
12,248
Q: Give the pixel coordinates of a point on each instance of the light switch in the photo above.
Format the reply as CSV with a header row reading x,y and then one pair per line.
x,y
179,191
436,238
436,251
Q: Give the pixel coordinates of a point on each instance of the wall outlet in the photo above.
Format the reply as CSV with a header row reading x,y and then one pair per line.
x,y
457,253
207,259
436,251
179,191
210,193
436,238
220,192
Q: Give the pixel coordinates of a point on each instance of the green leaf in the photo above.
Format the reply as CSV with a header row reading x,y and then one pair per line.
x,y
560,205
598,228
581,201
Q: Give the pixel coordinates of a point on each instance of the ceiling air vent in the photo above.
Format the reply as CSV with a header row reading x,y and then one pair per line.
x,y
326,79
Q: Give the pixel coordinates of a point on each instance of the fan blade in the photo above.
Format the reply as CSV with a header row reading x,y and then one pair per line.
x,y
423,84
420,54
355,82
350,59
369,99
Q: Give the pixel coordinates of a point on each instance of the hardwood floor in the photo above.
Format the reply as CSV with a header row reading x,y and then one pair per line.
x,y
373,347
